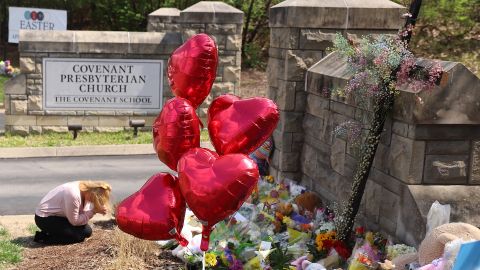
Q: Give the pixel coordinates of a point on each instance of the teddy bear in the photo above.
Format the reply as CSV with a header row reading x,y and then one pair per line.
x,y
433,245
308,201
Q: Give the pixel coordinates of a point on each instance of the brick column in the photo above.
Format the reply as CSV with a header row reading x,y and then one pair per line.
x,y
300,33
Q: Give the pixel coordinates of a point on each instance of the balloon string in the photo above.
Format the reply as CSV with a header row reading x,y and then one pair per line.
x,y
203,261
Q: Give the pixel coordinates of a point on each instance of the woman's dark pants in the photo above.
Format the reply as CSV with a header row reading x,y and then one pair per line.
x,y
58,230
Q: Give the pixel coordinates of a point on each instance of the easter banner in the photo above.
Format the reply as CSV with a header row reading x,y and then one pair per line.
x,y
40,19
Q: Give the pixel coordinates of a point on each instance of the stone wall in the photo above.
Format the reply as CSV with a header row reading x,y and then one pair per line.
x,y
300,33
429,149
167,29
220,21
24,112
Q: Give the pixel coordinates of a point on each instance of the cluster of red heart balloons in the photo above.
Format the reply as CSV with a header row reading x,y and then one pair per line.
x,y
213,184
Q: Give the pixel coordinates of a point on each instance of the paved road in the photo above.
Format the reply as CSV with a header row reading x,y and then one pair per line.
x,y
23,182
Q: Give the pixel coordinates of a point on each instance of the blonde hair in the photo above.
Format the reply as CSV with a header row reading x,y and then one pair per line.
x,y
99,193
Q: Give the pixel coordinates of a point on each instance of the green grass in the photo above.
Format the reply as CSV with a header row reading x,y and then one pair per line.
x,y
10,253
84,138
204,137
32,229
3,79
3,232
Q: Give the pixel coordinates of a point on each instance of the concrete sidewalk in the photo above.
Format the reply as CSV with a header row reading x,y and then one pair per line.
x,y
78,151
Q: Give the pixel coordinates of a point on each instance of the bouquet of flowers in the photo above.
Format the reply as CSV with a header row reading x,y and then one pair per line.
x,y
7,69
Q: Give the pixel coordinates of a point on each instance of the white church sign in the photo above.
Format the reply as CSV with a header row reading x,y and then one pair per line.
x,y
79,83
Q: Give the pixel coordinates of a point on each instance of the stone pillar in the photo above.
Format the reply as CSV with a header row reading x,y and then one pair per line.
x,y
164,19
428,150
300,33
222,22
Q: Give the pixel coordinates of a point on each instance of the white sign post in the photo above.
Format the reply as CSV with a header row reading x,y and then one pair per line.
x,y
109,84
34,19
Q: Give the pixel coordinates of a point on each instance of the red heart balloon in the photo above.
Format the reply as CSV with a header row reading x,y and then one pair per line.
x,y
155,212
214,186
192,69
175,131
241,126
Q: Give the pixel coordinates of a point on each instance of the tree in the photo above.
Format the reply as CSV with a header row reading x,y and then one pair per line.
x,y
379,64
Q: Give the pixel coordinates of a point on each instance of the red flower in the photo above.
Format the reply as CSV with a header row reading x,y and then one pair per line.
x,y
359,230
328,244
342,250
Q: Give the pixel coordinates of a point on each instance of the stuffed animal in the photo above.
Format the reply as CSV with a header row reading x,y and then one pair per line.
x,y
303,263
432,246
308,201
387,265
405,259
188,232
285,209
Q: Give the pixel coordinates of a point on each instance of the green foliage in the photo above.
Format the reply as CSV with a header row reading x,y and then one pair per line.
x,y
115,15
256,34
254,56
3,79
448,30
132,15
280,259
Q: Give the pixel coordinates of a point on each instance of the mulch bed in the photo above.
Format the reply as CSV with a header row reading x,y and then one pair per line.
x,y
97,252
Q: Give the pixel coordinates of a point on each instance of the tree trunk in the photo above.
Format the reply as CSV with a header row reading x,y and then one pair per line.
x,y
345,222
383,106
247,24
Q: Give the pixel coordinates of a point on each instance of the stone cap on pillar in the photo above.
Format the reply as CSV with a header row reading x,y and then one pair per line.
x,y
337,14
455,101
211,12
71,41
165,14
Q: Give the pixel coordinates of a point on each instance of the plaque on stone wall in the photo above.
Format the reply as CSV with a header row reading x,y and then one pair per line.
x,y
110,84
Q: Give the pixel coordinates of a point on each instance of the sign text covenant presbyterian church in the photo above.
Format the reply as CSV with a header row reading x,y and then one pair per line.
x,y
79,83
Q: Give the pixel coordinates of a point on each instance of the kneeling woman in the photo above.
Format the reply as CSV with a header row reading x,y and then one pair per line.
x,y
62,215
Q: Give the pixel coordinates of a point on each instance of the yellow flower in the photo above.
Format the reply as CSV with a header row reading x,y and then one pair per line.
x,y
369,237
319,241
288,221
210,259
319,246
269,178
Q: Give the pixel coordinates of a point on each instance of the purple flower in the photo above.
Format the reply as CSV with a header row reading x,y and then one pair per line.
x,y
237,265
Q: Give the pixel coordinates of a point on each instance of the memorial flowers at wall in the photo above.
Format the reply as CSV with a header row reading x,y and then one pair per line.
x,y
283,226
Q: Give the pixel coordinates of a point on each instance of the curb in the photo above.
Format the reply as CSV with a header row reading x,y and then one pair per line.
x,y
79,151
